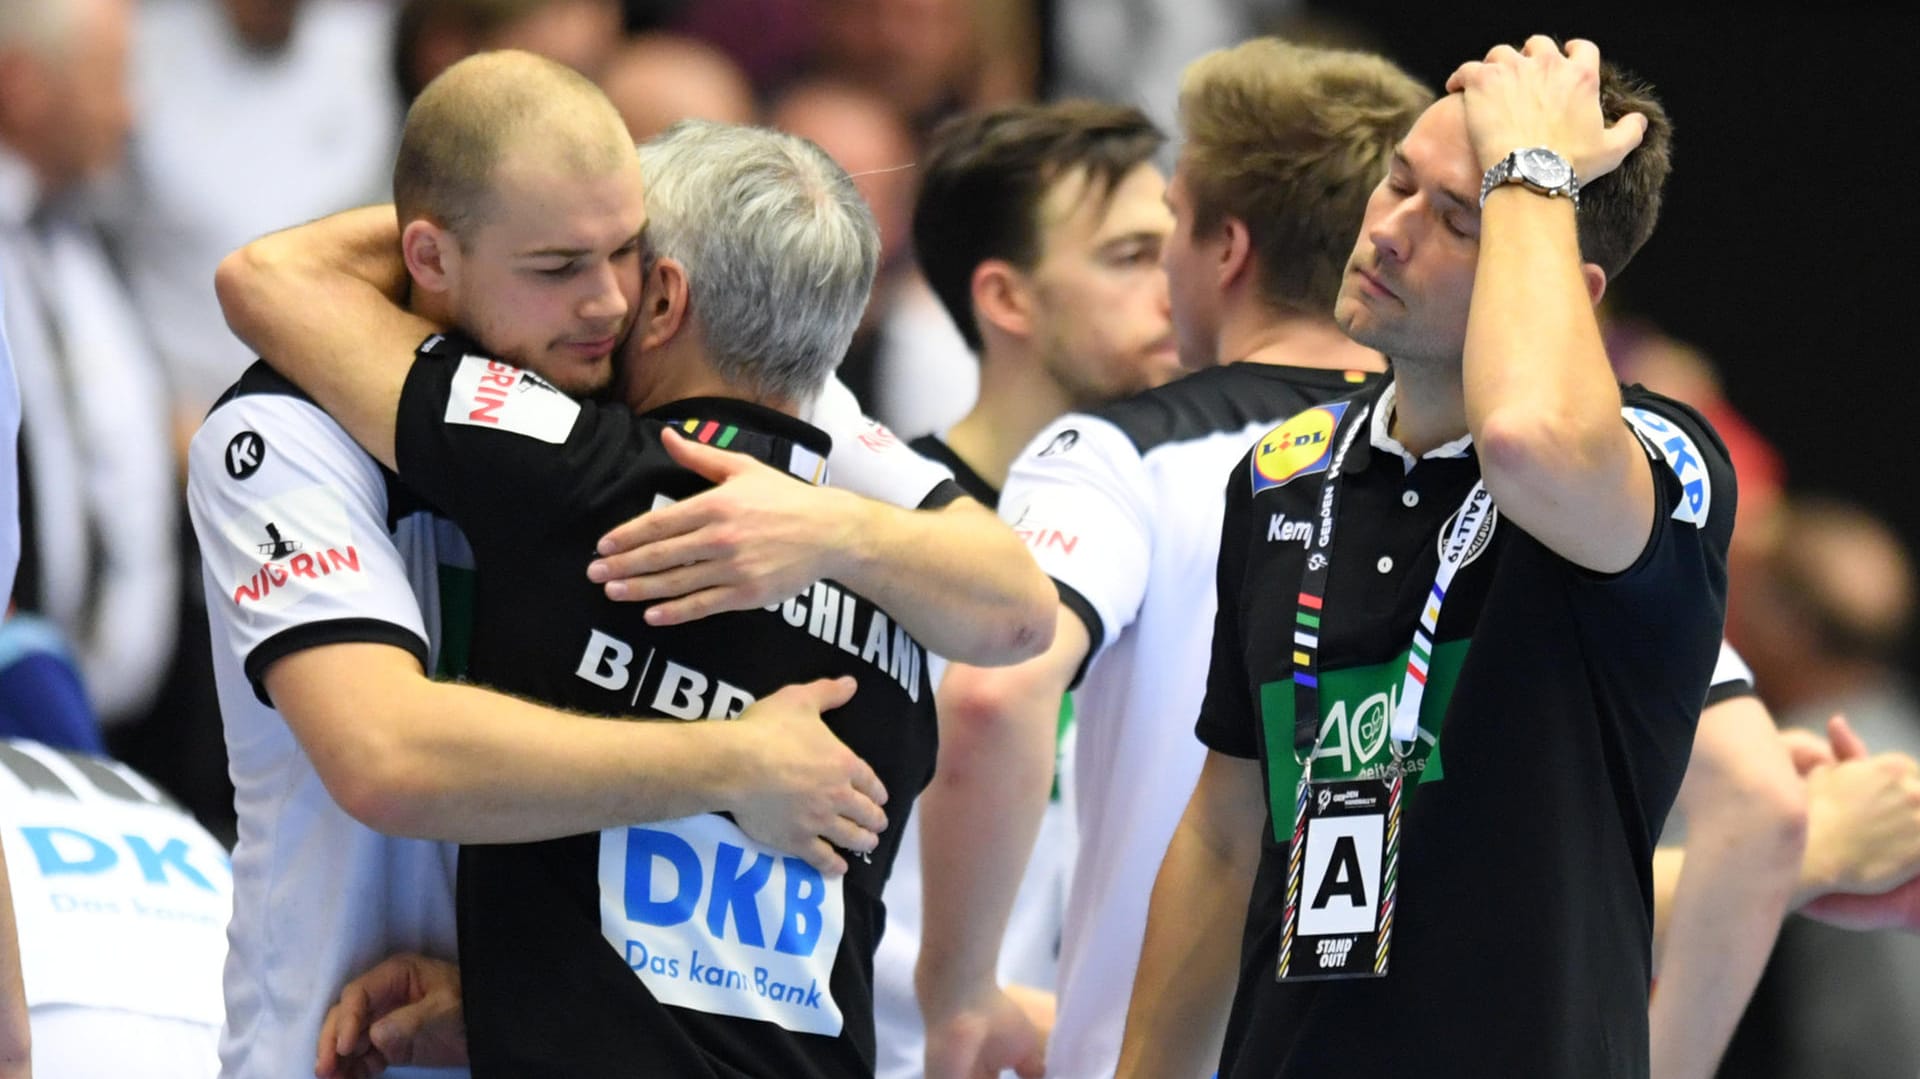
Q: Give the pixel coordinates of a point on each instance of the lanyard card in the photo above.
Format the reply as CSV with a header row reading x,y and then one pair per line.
x,y
1341,878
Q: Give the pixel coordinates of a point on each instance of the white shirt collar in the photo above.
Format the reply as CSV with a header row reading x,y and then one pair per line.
x,y
1383,422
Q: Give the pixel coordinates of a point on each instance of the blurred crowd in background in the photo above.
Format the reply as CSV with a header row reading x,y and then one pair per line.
x,y
179,129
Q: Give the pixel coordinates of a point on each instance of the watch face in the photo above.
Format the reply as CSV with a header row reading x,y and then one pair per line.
x,y
1543,167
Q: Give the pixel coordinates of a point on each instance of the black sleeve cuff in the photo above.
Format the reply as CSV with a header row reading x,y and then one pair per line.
x,y
1096,631
944,494
1727,691
336,631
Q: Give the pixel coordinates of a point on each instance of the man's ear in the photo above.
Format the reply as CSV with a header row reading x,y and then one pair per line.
x,y
1235,251
1002,299
666,303
432,255
1596,280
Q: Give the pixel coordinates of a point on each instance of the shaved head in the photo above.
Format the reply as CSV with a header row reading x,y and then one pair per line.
x,y
491,108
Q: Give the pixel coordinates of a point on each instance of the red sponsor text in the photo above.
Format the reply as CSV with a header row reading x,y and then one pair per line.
x,y
311,566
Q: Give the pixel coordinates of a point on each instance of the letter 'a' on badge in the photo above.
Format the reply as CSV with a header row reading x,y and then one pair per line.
x,y
1302,446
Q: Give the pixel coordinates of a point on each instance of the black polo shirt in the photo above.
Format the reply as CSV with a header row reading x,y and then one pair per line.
x,y
1558,717
681,947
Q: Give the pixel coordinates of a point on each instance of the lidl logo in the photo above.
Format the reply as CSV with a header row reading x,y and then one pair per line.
x,y
1299,447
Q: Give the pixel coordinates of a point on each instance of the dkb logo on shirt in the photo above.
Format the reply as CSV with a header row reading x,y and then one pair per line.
x,y
708,919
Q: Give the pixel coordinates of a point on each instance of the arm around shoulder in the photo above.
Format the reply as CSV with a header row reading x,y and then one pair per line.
x,y
319,303
962,574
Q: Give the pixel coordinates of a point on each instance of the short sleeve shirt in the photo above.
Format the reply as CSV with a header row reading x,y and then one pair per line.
x,y
306,541
1558,716
676,947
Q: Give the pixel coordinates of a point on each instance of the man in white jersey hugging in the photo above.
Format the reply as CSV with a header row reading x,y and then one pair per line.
x,y
341,638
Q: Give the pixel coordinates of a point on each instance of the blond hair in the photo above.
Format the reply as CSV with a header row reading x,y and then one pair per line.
x,y
474,113
1290,140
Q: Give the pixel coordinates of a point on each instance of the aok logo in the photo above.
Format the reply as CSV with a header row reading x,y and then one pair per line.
x,y
750,897
1299,447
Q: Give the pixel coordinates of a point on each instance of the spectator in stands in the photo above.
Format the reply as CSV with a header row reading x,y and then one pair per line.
x,y
98,502
658,79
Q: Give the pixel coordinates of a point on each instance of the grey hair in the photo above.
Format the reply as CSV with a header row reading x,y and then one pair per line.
x,y
780,250
44,27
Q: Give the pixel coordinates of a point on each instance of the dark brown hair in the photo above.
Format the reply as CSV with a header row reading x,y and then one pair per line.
x,y
986,174
1618,210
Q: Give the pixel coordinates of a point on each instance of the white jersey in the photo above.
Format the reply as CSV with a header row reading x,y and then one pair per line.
x,y
868,459
306,540
1122,508
121,902
1030,947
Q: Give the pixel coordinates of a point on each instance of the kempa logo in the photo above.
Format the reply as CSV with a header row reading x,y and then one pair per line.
x,y
1281,530
1061,443
245,454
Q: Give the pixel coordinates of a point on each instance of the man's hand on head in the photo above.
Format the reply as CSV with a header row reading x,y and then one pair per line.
x,y
802,790
757,538
1544,95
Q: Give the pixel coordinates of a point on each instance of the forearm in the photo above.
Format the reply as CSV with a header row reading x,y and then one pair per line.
x,y
320,303
1541,401
978,821
1190,958
1729,898
15,1038
483,767
456,763
1718,906
1533,347
1668,864
957,578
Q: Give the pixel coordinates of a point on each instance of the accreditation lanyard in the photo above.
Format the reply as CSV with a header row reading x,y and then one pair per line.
x,y
1458,540
1340,904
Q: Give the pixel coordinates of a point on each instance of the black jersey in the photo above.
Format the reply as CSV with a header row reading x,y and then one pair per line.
x,y
1557,719
683,947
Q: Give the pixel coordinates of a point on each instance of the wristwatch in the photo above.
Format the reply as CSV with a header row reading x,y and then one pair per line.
x,y
1541,171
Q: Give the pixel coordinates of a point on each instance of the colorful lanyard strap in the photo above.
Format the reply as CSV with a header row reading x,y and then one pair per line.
x,y
1458,541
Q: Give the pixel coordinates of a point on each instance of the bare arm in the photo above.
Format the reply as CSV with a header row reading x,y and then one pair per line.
x,y
957,577
16,1060
978,820
320,304
1190,960
1746,812
409,756
1541,400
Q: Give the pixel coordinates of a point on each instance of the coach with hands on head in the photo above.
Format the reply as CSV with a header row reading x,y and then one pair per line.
x,y
1537,655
